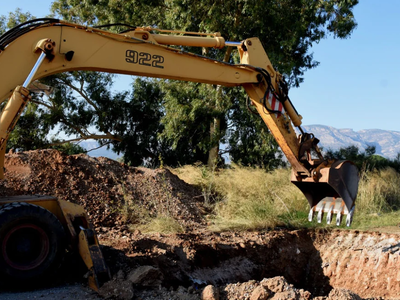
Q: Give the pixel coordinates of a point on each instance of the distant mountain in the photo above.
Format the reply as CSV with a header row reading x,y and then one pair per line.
x,y
387,142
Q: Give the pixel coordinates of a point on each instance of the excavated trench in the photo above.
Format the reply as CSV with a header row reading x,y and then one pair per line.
x,y
366,263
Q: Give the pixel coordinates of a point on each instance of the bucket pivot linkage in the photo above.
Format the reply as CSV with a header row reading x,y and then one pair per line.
x,y
331,185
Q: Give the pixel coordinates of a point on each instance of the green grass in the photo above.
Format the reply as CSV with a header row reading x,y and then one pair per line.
x,y
378,220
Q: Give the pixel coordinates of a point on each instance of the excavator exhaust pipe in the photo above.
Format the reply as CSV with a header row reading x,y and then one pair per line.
x,y
332,189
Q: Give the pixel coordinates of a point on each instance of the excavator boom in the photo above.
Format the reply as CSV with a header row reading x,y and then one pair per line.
x,y
43,47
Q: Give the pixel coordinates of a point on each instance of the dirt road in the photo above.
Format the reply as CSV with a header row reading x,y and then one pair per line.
x,y
65,292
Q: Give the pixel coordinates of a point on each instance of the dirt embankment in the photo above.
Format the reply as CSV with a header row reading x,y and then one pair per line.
x,y
245,265
104,187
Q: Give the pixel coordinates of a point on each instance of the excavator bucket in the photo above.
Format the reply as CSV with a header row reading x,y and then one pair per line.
x,y
332,190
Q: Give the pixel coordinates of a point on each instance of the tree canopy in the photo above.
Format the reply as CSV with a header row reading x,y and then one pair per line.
x,y
365,160
287,28
183,121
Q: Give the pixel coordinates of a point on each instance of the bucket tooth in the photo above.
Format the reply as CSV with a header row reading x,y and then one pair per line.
x,y
332,206
329,215
311,215
349,218
338,218
320,214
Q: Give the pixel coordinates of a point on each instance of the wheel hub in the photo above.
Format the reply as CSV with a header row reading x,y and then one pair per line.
x,y
25,247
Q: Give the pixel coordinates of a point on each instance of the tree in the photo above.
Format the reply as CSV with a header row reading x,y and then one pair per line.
x,y
141,126
287,29
189,111
366,161
82,106
14,19
31,132
250,142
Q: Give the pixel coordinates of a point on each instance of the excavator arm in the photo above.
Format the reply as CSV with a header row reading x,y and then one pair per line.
x,y
43,47
55,46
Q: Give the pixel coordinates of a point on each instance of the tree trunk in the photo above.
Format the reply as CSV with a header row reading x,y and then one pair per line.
x,y
214,135
215,127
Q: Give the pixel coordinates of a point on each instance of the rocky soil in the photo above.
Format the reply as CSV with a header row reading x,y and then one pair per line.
x,y
197,263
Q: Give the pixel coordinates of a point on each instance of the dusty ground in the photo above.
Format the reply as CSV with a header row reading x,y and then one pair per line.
x,y
197,264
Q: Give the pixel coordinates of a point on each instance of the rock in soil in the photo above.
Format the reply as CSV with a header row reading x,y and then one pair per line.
x,y
210,292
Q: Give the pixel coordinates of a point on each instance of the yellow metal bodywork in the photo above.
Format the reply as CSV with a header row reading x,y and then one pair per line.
x,y
48,202
90,252
83,237
281,127
9,117
99,50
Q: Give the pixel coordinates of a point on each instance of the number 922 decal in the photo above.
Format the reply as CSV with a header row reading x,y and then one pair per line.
x,y
144,59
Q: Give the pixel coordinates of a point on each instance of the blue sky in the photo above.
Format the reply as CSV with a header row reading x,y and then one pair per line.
x,y
355,85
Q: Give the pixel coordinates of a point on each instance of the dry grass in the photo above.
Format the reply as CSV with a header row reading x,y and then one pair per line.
x,y
248,198
202,177
135,213
378,200
379,192
162,224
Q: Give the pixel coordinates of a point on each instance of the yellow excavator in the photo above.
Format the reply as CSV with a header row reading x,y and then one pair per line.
x,y
35,231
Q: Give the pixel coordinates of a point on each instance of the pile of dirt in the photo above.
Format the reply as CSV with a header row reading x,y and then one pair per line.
x,y
200,264
106,188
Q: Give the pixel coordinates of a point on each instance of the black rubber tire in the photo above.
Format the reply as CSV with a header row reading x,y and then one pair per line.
x,y
32,242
